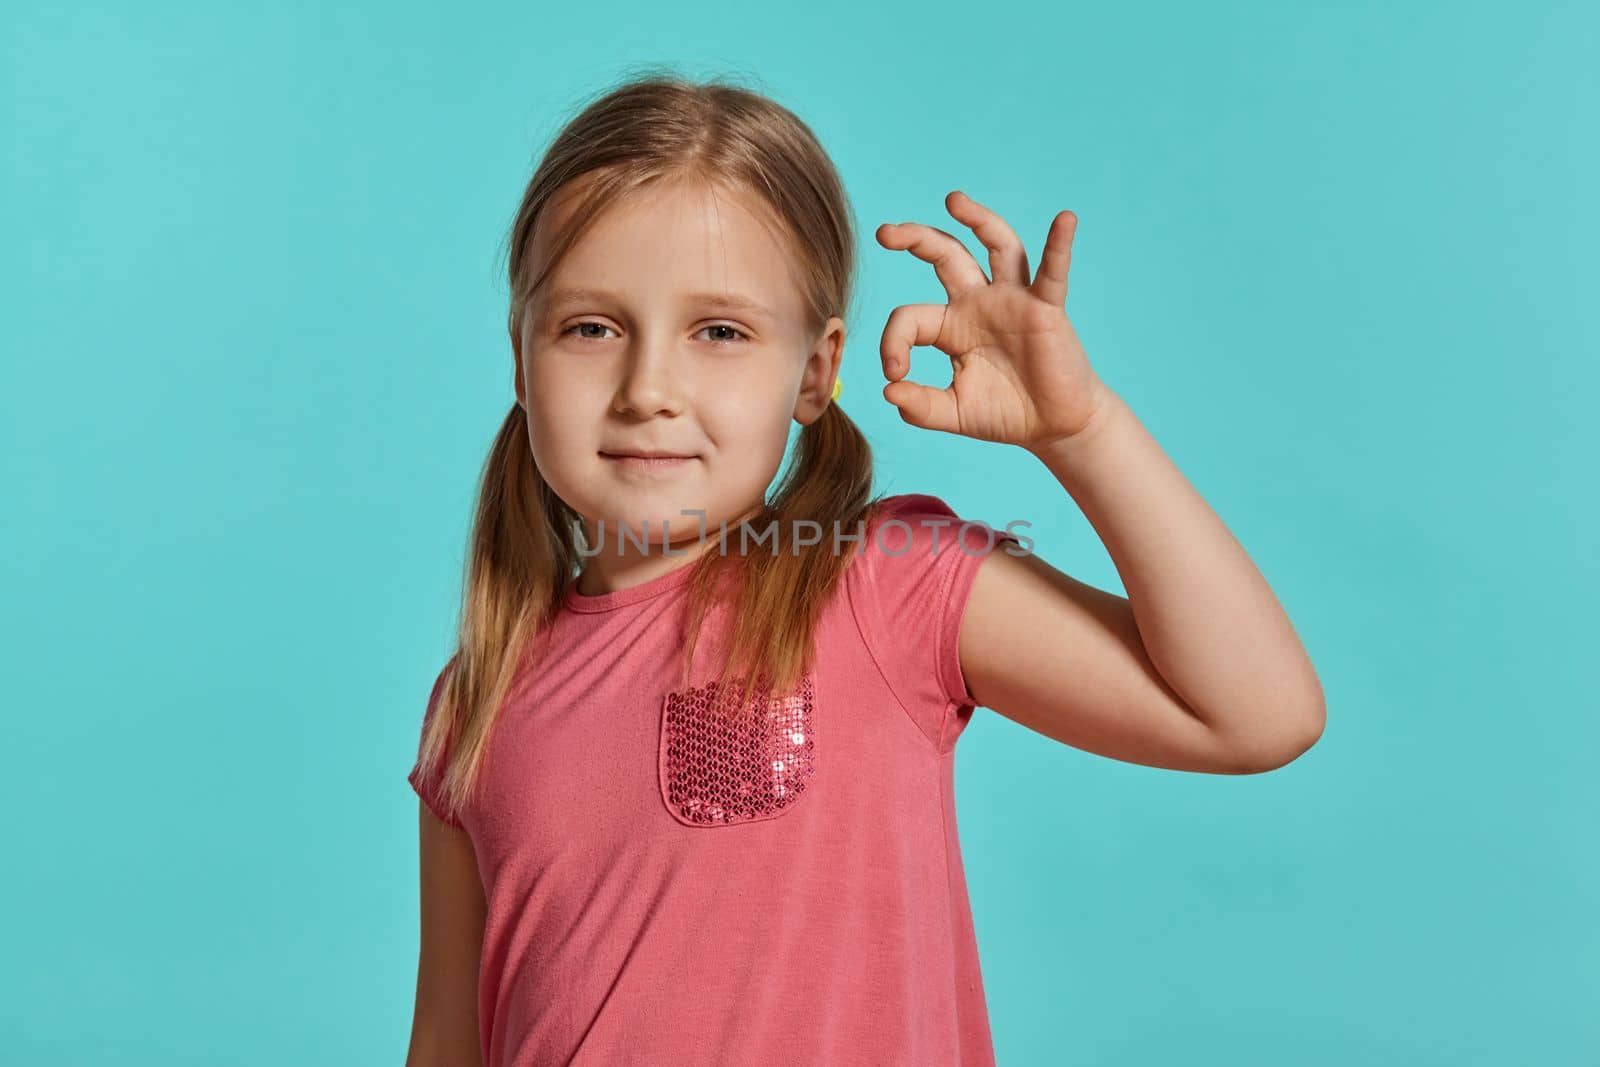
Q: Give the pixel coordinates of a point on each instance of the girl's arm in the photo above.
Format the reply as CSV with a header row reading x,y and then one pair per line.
x,y
1199,668
444,1024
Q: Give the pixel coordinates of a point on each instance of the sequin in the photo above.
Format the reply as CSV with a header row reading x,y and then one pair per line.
x,y
719,768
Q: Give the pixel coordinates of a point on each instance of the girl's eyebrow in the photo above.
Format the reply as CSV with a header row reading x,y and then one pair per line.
x,y
729,300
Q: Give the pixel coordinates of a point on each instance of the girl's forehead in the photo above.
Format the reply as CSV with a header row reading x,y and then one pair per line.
x,y
666,198
683,243
690,215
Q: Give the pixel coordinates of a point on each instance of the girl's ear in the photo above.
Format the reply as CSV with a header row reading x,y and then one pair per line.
x,y
821,370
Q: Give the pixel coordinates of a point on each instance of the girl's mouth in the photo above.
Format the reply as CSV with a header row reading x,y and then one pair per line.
x,y
632,462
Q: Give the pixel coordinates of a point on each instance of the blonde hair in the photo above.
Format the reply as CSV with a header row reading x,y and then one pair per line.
x,y
524,549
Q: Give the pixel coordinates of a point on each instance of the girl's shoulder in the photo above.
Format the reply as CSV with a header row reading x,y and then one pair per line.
x,y
920,529
908,589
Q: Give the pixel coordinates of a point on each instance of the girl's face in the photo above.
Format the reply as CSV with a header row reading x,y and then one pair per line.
x,y
673,325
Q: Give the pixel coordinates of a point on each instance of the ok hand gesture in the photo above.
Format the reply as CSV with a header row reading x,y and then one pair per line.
x,y
1020,375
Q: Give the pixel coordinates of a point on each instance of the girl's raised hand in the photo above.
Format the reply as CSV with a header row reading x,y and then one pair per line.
x,y
1020,375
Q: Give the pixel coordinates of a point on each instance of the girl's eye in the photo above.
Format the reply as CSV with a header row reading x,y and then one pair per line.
x,y
581,325
731,329
740,334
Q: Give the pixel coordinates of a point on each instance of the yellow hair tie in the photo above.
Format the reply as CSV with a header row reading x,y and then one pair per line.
x,y
838,387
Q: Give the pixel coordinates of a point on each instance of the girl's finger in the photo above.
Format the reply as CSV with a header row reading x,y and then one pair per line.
x,y
1008,260
909,325
954,265
925,406
1051,284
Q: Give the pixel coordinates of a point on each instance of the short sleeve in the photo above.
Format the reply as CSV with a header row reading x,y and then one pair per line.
x,y
918,563
424,781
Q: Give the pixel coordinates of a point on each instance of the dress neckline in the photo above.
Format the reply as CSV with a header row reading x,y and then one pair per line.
x,y
632,594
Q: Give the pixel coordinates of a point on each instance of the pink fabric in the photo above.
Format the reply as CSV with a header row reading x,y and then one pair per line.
x,y
835,931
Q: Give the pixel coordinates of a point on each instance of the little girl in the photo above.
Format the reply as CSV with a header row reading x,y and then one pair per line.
x,y
631,857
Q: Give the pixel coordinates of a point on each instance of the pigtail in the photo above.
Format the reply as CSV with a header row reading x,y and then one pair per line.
x,y
522,549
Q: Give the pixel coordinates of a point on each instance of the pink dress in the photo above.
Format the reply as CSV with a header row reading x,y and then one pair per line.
x,y
663,888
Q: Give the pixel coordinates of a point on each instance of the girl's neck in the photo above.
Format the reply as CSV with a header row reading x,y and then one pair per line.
x,y
620,564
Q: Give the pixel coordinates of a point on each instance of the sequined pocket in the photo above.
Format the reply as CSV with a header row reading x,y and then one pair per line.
x,y
723,767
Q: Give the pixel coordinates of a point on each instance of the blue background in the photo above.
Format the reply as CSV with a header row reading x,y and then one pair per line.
x,y
1340,261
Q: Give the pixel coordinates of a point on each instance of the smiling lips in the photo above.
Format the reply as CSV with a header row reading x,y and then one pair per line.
x,y
648,459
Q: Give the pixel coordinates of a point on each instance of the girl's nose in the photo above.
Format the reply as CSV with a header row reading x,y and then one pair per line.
x,y
649,385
